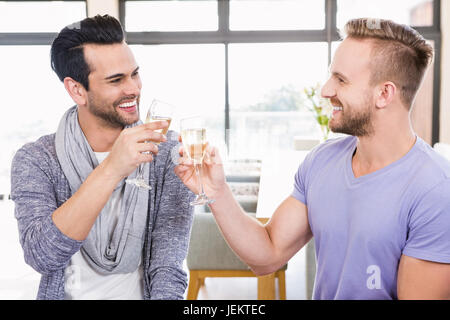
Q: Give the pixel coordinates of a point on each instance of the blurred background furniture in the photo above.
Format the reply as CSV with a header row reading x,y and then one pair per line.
x,y
210,256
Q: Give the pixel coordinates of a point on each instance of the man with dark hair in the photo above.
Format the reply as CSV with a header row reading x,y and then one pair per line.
x,y
88,233
377,201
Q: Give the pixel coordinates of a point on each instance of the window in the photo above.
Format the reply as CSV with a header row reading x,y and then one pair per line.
x,y
251,70
34,99
266,82
190,77
411,12
33,102
33,16
171,15
277,15
272,50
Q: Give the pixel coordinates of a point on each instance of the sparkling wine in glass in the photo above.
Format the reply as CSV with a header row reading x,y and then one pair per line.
x,y
158,111
193,134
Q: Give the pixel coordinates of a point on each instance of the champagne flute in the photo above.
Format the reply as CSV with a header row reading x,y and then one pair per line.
x,y
193,133
158,111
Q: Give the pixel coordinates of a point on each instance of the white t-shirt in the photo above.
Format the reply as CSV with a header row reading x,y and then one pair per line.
x,y
83,282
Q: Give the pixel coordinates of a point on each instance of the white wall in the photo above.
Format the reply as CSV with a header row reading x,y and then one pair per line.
x,y
445,73
110,7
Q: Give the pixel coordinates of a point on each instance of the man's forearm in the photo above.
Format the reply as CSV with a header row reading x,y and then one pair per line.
x,y
247,237
77,215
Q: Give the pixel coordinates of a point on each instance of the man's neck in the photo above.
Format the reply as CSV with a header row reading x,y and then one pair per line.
x,y
99,135
381,149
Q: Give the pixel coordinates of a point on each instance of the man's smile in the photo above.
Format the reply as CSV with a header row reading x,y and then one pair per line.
x,y
336,110
128,106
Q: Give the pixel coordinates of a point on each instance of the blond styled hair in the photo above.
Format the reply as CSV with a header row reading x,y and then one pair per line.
x,y
399,54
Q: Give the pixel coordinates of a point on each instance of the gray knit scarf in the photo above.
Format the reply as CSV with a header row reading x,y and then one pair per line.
x,y
120,253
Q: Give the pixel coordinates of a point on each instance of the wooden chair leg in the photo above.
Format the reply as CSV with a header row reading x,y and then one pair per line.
x,y
266,287
194,285
281,284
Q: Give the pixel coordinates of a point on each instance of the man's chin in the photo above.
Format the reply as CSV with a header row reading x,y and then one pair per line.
x,y
129,121
334,127
340,129
357,132
128,117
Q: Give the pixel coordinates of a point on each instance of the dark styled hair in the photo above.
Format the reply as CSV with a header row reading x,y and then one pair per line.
x,y
67,57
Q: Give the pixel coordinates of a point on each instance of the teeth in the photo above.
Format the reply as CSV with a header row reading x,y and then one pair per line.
x,y
337,108
128,104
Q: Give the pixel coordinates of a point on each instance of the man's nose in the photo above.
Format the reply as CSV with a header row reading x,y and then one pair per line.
x,y
132,87
328,90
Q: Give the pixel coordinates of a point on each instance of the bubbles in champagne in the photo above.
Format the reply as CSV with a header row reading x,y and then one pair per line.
x,y
194,142
151,119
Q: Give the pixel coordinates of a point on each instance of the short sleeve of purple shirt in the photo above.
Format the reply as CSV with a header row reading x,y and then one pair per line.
x,y
429,226
363,225
301,177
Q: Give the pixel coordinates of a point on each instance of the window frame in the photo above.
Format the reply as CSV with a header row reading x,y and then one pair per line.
x,y
226,36
31,38
329,34
27,39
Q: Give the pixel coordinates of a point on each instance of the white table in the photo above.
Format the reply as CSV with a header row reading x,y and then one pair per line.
x,y
277,180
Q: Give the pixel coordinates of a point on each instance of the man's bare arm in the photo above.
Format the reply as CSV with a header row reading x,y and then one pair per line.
x,y
265,248
423,280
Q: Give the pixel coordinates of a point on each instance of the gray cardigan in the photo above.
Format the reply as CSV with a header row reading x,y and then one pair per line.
x,y
39,187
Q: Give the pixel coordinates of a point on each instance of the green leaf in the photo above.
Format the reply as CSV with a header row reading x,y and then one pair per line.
x,y
322,120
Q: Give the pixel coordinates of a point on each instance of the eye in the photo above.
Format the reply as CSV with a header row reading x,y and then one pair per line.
x,y
117,80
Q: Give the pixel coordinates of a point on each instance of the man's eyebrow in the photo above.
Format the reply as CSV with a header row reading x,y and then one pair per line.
x,y
119,75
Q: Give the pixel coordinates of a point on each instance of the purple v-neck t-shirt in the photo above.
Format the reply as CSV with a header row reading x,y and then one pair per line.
x,y
363,225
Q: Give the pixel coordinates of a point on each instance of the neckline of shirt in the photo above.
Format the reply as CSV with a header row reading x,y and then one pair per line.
x,y
101,156
352,180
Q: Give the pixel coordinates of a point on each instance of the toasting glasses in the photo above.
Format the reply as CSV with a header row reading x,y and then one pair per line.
x,y
158,111
193,133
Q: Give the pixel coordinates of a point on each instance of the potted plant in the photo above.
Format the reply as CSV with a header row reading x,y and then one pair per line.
x,y
320,107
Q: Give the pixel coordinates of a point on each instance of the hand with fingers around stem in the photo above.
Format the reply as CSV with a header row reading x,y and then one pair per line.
x,y
131,148
212,172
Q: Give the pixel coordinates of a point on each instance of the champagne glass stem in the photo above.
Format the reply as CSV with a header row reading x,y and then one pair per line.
x,y
139,180
140,174
198,168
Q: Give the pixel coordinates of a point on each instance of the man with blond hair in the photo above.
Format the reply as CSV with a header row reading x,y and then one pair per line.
x,y
376,201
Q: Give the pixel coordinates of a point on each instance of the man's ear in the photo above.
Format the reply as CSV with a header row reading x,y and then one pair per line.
x,y
76,91
384,94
